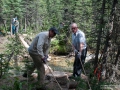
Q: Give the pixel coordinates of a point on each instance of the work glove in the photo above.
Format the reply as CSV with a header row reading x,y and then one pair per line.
x,y
45,59
75,51
46,56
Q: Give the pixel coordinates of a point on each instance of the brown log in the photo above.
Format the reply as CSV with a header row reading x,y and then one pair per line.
x,y
53,86
72,84
23,42
84,77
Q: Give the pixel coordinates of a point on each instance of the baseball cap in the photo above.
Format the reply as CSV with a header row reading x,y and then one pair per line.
x,y
54,29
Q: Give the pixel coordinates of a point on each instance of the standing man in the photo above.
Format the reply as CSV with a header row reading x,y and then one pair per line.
x,y
13,26
39,50
16,25
80,48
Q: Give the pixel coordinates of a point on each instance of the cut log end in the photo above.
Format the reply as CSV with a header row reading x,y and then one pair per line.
x,y
72,84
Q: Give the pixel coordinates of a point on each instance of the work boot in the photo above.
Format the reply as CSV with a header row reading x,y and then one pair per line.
x,y
30,78
25,75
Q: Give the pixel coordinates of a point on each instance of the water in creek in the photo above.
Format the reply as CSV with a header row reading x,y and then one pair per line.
x,y
61,63
57,63
65,63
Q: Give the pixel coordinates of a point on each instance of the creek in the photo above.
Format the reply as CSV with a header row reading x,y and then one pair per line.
x,y
56,62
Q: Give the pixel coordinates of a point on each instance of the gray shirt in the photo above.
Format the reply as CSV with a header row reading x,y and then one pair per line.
x,y
78,38
40,45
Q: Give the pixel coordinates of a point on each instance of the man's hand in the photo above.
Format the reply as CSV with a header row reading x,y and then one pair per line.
x,y
79,54
75,51
45,59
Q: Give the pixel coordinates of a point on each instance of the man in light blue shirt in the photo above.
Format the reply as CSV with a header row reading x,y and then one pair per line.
x,y
80,48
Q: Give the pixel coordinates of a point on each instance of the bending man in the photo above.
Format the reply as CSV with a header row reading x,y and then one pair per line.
x,y
39,50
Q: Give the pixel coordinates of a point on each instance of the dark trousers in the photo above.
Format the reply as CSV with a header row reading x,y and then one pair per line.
x,y
37,64
77,66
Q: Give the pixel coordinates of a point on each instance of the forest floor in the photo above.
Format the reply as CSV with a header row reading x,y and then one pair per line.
x,y
12,81
3,41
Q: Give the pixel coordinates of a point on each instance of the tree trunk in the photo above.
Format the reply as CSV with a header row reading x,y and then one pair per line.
x,y
99,34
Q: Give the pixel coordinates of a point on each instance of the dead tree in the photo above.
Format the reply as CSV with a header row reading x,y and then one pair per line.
x,y
111,49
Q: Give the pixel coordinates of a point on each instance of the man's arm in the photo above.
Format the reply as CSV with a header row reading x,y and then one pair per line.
x,y
81,47
40,46
47,50
82,41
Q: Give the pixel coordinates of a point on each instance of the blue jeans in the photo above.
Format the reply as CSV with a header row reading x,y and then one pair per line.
x,y
13,29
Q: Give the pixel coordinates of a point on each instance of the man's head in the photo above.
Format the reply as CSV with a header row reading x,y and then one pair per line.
x,y
74,27
52,32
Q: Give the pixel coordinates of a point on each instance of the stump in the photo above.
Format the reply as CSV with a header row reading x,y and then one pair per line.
x,y
61,77
53,86
47,71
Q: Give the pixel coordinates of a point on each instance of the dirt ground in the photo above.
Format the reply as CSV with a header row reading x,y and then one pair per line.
x,y
3,41
25,84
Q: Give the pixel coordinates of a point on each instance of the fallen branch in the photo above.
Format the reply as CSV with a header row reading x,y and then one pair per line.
x,y
23,42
